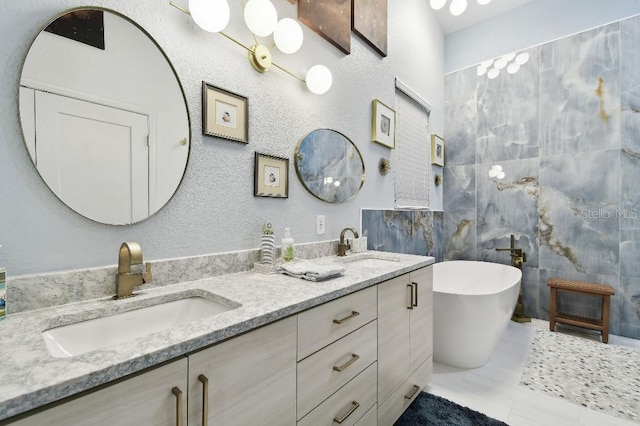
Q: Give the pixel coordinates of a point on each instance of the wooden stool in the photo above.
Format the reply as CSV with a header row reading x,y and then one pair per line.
x,y
599,290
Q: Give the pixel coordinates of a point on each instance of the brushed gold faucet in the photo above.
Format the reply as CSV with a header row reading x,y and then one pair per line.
x,y
518,257
130,254
342,246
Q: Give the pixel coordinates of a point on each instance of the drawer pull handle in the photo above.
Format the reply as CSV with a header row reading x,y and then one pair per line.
x,y
205,399
179,407
415,290
354,358
354,407
347,318
413,392
411,305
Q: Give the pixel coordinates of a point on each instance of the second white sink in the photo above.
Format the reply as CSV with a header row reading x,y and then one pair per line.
x,y
85,336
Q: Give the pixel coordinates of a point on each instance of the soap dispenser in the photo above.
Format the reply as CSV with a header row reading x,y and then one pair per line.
x,y
287,246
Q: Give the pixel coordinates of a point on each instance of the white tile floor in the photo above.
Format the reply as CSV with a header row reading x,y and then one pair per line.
x,y
494,388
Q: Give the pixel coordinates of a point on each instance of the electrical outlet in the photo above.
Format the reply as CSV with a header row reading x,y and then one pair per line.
x,y
320,225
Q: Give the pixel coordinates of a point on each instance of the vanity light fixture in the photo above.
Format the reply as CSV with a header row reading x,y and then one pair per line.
x,y
261,19
457,7
511,62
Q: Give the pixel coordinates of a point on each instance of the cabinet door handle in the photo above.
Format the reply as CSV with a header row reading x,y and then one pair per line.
x,y
415,289
354,407
347,318
179,405
205,399
410,286
354,358
414,391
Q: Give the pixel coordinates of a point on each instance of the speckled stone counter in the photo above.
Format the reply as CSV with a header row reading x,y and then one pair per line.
x,y
31,377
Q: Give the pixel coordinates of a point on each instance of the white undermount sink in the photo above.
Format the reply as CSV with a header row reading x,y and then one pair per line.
x,y
85,336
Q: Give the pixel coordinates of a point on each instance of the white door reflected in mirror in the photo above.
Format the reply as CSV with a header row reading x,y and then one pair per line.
x,y
104,117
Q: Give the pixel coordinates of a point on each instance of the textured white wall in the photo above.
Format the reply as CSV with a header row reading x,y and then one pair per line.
x,y
214,210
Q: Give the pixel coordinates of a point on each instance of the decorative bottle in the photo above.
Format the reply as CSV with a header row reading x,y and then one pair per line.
x,y
267,245
287,246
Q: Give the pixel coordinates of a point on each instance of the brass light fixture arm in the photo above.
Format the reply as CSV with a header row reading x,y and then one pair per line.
x,y
251,50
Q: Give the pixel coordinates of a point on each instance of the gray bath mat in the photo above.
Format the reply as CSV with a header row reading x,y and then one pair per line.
x,y
595,375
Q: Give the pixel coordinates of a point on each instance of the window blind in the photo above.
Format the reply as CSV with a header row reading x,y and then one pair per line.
x,y
411,156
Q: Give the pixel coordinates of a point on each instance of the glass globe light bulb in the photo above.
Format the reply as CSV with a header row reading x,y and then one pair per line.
x,y
210,15
457,7
288,35
522,58
261,17
319,79
437,4
483,2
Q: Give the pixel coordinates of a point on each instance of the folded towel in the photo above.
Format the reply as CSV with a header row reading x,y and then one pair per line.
x,y
311,271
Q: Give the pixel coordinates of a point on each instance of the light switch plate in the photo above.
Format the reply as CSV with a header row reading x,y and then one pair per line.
x,y
320,225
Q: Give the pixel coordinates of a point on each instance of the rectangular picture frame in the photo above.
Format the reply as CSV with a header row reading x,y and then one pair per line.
x,y
437,150
383,124
224,114
270,176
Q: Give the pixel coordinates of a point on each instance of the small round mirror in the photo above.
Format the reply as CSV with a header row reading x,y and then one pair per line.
x,y
329,166
104,116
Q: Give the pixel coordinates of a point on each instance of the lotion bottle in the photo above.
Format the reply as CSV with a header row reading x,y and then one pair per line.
x,y
287,246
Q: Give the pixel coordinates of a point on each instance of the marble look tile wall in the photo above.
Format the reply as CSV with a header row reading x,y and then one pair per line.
x,y
404,231
566,131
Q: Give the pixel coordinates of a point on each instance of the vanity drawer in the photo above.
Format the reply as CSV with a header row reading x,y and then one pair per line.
x,y
328,370
320,326
351,403
399,400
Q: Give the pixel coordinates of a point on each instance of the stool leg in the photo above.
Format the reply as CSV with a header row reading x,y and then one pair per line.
x,y
605,319
552,309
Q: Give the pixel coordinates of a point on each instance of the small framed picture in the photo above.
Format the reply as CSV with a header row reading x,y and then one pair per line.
x,y
271,176
437,150
224,114
383,124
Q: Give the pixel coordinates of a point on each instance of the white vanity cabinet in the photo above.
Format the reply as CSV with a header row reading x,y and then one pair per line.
x,y
154,397
247,380
337,353
405,341
250,379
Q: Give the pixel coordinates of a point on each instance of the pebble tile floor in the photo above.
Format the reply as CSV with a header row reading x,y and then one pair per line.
x,y
495,388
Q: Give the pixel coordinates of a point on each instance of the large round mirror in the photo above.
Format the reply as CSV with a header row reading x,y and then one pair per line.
x,y
329,165
104,116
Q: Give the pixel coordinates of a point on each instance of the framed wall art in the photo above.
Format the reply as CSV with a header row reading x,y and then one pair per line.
x,y
383,124
331,19
369,21
224,114
271,176
437,150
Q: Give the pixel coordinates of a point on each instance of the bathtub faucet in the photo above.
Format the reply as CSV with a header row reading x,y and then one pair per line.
x,y
518,257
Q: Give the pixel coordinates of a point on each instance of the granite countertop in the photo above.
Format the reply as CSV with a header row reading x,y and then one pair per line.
x,y
31,377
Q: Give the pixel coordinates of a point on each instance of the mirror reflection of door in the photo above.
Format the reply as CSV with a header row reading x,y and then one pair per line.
x,y
94,157
82,99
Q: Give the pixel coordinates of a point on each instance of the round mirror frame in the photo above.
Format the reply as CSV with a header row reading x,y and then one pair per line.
x,y
298,159
184,142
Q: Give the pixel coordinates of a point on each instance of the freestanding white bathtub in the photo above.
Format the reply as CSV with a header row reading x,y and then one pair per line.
x,y
473,303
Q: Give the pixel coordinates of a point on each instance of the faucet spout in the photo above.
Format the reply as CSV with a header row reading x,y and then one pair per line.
x,y
342,246
130,254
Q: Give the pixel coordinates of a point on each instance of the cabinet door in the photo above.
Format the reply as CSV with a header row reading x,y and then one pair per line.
x,y
251,379
145,399
421,330
393,335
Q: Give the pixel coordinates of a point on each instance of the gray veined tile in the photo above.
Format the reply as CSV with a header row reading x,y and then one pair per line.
x,y
508,109
629,296
580,84
460,116
459,212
